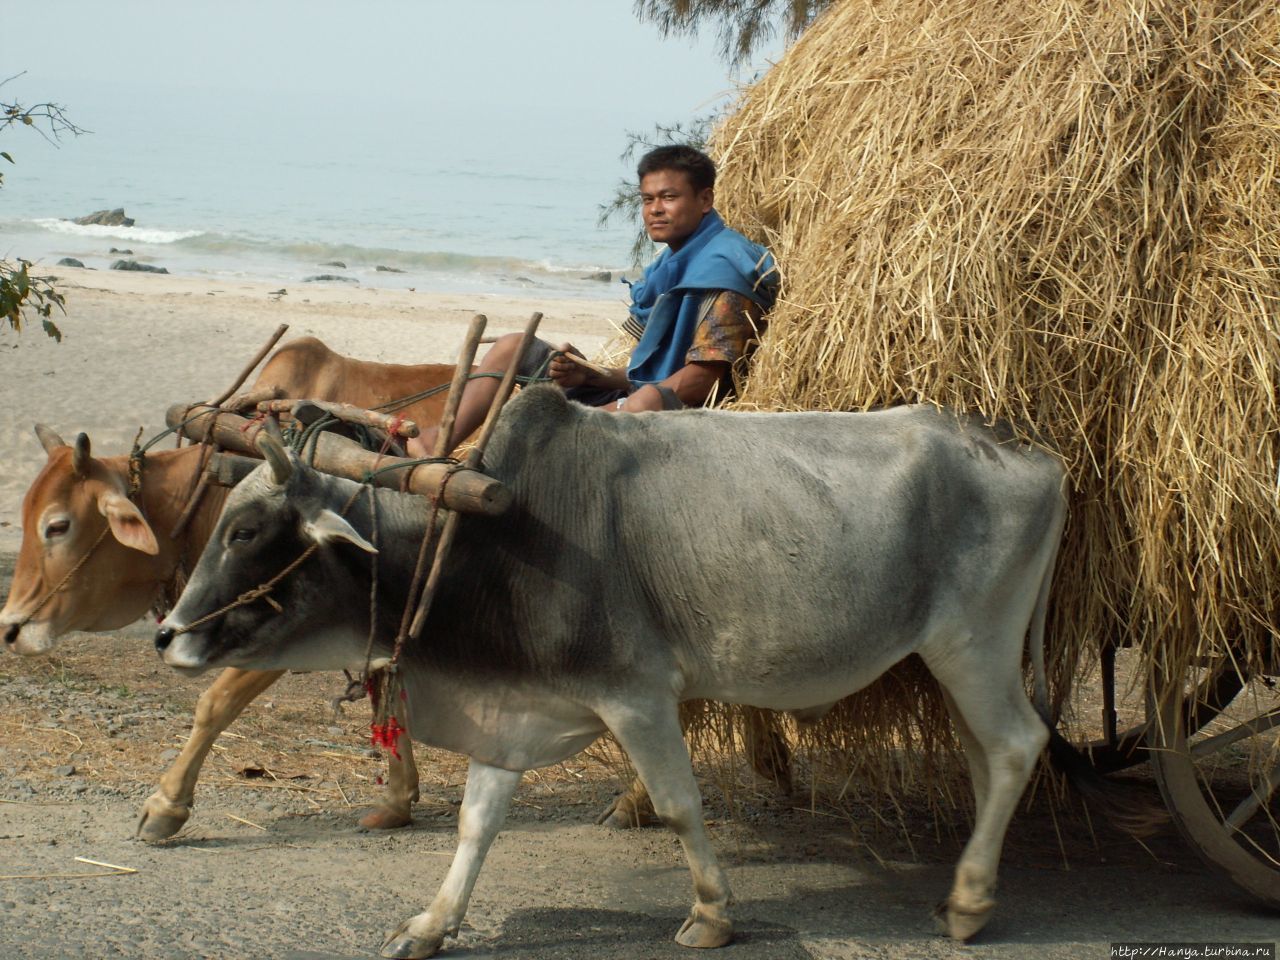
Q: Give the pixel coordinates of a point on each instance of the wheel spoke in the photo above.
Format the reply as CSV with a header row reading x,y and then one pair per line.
x,y
1261,794
1259,724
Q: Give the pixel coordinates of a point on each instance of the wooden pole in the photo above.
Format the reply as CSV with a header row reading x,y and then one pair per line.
x,y
473,460
504,391
459,384
466,358
587,364
228,469
257,359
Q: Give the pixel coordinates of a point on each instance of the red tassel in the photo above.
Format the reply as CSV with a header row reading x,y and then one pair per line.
x,y
387,735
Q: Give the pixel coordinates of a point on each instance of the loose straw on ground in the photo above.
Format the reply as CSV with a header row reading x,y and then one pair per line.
x,y
113,871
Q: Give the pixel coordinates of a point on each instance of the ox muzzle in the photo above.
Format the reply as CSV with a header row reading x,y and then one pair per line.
x,y
164,637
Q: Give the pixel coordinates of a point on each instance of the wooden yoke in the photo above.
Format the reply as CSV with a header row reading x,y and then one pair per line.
x,y
469,491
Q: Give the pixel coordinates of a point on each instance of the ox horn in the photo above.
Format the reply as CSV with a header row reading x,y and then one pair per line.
x,y
48,439
80,455
273,451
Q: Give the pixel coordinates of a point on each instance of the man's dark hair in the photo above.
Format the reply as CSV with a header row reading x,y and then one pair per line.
x,y
693,163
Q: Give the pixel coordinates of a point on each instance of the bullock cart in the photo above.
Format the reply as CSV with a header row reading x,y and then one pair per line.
x,y
1209,730
1052,214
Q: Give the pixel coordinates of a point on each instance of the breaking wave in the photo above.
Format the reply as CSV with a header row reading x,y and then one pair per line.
x,y
211,252
134,234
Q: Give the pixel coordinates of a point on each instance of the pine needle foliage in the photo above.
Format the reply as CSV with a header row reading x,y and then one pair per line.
x,y
741,26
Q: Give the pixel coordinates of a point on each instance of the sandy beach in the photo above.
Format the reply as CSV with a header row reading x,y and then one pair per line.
x,y
135,343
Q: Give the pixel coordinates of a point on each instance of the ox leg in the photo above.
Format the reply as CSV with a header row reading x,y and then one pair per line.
x,y
477,397
988,695
166,810
765,744
973,754
401,793
630,809
484,807
653,740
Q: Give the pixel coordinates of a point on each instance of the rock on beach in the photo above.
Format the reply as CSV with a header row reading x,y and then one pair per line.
x,y
106,218
140,267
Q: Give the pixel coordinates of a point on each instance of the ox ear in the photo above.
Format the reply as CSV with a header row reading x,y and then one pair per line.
x,y
128,525
328,526
48,439
80,456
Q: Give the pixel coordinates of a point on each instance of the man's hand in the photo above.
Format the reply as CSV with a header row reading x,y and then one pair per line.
x,y
565,372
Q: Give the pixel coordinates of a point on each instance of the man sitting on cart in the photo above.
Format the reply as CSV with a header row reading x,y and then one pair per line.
x,y
696,313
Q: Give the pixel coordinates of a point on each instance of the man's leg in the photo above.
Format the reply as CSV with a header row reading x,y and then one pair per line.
x,y
478,395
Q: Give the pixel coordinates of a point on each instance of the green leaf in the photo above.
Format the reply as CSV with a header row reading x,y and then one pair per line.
x,y
52,330
6,156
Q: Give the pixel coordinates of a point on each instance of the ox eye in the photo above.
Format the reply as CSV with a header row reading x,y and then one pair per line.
x,y
56,528
243,535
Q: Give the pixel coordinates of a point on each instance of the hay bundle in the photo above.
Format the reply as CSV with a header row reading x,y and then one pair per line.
x,y
1061,212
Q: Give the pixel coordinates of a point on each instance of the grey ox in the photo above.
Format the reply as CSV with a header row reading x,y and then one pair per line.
x,y
777,560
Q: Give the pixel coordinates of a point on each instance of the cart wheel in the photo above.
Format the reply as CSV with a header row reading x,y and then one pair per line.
x,y
1221,783
1203,702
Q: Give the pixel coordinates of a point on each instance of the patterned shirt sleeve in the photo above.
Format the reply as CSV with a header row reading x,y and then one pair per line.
x,y
728,331
632,328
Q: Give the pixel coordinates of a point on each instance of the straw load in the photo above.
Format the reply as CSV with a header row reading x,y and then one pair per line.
x,y
1061,212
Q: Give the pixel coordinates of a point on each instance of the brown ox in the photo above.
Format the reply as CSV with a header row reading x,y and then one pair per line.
x,y
77,512
307,368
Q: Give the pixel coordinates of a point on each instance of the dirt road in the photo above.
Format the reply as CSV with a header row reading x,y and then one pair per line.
x,y
272,866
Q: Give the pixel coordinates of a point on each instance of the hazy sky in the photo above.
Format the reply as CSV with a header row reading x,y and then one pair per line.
x,y
474,126
536,70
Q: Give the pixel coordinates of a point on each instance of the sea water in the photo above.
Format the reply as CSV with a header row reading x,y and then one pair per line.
x,y
442,201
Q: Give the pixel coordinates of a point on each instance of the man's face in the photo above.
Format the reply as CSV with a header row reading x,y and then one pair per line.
x,y
672,208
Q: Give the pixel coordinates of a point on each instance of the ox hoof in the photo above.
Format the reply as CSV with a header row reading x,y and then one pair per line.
x,y
160,819
963,922
624,814
402,944
705,932
385,818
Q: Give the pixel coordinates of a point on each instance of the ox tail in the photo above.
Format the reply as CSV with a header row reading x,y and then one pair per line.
x,y
1126,806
